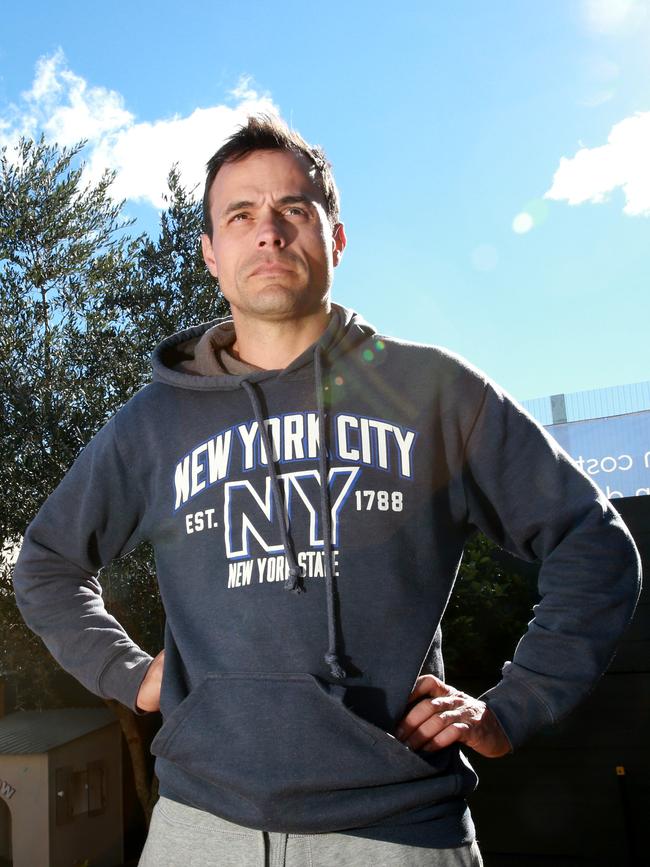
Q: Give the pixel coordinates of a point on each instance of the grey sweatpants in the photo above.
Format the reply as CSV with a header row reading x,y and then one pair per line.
x,y
181,836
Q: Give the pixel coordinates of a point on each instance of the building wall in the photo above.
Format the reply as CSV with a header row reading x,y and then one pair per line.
x,y
606,431
614,452
597,403
24,788
76,834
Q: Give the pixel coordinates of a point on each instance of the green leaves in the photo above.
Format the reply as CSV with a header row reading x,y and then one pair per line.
x,y
82,305
490,606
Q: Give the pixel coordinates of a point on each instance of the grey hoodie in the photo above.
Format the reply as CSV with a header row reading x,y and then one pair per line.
x,y
279,708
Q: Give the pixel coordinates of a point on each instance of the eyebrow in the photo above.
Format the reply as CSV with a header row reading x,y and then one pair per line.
x,y
298,199
237,206
242,204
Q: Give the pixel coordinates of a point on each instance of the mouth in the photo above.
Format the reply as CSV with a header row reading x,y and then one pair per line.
x,y
265,270
270,267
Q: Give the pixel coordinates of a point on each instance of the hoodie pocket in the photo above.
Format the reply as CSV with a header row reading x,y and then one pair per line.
x,y
277,735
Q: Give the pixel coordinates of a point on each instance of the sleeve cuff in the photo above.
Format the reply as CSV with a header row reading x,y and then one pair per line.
x,y
122,676
518,708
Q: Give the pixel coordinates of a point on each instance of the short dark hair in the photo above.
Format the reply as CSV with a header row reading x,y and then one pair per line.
x,y
263,132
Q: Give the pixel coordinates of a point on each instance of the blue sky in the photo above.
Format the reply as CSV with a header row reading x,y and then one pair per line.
x,y
492,157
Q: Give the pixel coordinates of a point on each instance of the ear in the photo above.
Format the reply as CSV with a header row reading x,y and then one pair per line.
x,y
338,243
208,255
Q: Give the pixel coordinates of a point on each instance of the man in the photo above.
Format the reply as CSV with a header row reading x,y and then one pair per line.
x,y
293,447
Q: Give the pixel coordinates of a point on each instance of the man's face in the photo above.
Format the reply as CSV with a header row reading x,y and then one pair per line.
x,y
272,246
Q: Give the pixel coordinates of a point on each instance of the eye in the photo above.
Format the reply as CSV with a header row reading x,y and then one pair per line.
x,y
295,211
239,218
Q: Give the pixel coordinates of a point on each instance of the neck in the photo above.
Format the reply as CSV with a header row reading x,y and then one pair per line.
x,y
274,345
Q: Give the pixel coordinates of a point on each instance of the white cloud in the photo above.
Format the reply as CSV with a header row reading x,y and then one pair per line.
x,y
615,17
243,89
63,106
593,173
66,108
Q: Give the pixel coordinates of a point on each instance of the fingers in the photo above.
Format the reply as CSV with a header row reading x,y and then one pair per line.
x,y
443,715
424,710
435,723
450,716
428,684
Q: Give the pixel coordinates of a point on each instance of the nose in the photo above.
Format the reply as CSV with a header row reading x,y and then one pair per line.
x,y
271,232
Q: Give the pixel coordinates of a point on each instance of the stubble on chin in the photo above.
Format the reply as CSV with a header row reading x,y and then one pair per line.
x,y
279,296
277,300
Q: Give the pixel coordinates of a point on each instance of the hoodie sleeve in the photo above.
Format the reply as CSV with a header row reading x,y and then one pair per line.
x,y
525,493
91,518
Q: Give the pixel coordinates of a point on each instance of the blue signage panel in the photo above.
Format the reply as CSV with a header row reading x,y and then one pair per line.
x,y
614,452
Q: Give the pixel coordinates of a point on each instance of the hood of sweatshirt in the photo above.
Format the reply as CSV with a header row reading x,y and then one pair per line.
x,y
181,359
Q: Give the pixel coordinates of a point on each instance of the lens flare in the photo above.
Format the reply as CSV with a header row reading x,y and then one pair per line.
x,y
522,223
485,257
